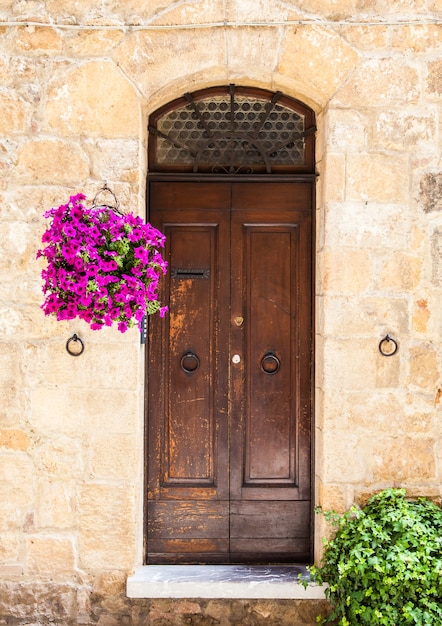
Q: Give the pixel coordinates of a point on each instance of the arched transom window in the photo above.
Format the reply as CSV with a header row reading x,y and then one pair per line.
x,y
232,130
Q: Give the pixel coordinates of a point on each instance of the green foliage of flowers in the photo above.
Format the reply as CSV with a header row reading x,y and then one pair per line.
x,y
384,565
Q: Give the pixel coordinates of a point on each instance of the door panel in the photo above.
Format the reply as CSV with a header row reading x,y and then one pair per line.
x,y
189,437
187,504
229,442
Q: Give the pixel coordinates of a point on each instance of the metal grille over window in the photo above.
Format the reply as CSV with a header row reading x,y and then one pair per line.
x,y
231,132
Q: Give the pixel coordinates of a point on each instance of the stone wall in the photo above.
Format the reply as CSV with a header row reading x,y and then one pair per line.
x,y
78,79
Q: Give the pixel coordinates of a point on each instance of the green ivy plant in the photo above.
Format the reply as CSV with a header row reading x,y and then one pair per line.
x,y
384,564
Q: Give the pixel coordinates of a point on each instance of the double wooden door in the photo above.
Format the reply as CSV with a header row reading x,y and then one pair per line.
x,y
229,375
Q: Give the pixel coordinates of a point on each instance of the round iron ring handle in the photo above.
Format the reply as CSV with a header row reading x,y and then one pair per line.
x,y
388,346
189,362
79,349
270,364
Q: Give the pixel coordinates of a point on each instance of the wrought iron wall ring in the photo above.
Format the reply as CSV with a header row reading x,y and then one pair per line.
x,y
77,342
388,346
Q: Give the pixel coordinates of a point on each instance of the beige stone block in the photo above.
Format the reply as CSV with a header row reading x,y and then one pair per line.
x,y
11,518
80,412
434,78
9,571
295,86
347,271
5,73
344,460
334,184
404,131
346,131
80,10
16,480
23,290
380,82
332,497
417,236
421,315
369,225
424,368
254,49
401,272
403,459
306,52
380,415
350,364
375,414
25,70
29,203
9,365
29,322
87,43
47,161
152,60
136,11
335,10
256,11
57,503
14,439
93,99
113,367
114,456
366,39
436,257
416,38
189,13
114,159
378,178
49,556
369,317
388,372
14,404
106,526
109,583
18,249
14,113
39,39
9,547
60,458
323,531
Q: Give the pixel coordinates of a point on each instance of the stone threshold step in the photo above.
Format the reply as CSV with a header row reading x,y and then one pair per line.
x,y
222,581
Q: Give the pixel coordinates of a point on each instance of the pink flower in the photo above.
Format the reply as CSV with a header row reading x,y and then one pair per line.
x,y
95,271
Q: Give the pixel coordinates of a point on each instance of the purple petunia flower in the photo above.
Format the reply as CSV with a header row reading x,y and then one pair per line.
x,y
102,267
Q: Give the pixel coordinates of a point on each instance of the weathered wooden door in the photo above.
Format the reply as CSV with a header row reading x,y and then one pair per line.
x,y
229,375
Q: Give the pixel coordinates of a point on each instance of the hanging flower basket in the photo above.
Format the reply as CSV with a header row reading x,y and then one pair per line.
x,y
103,266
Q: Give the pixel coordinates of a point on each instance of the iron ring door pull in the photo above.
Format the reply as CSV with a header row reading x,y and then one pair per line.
x,y
270,364
189,362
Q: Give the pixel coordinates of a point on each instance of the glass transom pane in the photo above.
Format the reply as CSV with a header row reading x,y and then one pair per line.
x,y
231,134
